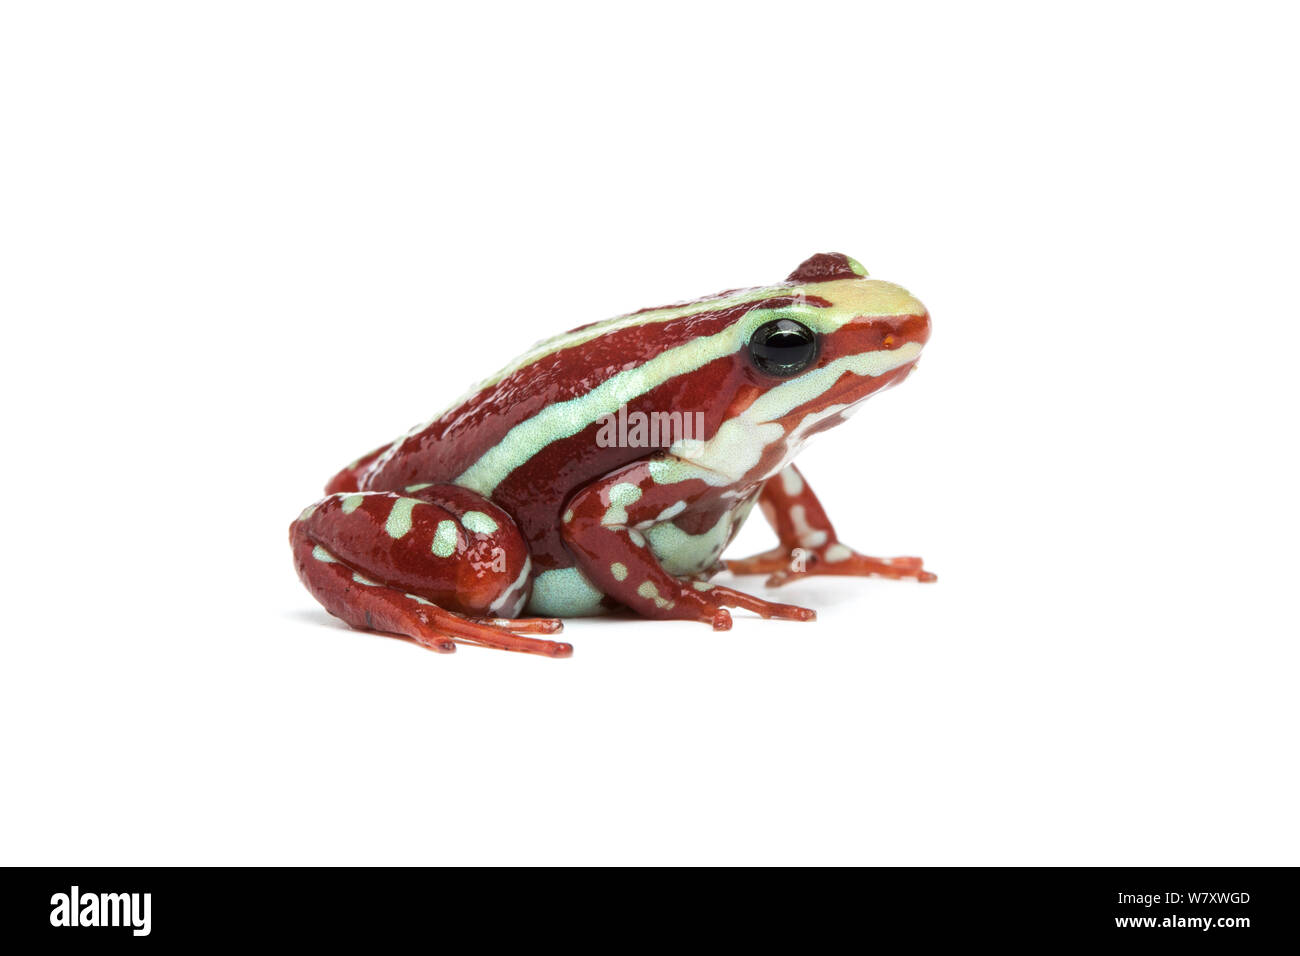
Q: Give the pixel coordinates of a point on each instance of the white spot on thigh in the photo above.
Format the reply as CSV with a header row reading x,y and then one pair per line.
x,y
399,518
479,522
444,539
791,482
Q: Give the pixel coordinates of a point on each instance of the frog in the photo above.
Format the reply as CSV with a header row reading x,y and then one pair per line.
x,y
523,504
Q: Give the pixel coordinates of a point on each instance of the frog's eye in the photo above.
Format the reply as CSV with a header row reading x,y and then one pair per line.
x,y
782,347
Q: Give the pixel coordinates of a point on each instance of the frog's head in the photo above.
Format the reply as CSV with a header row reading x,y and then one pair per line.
x,y
830,338
806,355
841,337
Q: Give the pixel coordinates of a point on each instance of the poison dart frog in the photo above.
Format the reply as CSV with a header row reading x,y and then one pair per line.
x,y
523,498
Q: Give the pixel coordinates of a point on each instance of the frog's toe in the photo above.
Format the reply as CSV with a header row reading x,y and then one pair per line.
x,y
505,641
499,636
865,566
765,563
524,625
779,578
372,605
730,597
438,643
836,559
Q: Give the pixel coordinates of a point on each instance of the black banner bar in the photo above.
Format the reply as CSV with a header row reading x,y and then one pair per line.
x,y
1226,907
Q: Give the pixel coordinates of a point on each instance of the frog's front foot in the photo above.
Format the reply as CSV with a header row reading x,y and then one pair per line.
x,y
784,565
717,598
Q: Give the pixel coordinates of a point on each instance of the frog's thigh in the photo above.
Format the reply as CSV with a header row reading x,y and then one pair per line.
x,y
411,563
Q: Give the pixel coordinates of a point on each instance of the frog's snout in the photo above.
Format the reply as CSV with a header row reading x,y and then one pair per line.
x,y
909,329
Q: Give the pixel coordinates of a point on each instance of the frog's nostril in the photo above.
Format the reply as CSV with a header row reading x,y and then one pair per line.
x,y
912,327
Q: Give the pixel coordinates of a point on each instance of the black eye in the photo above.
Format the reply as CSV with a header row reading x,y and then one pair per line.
x,y
783,347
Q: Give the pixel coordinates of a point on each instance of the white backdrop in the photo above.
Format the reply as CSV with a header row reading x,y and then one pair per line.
x,y
244,243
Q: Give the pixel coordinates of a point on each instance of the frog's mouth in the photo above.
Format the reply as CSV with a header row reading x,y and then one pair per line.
x,y
769,432
844,384
863,357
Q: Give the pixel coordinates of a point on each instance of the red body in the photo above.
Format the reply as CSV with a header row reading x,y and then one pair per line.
x,y
552,509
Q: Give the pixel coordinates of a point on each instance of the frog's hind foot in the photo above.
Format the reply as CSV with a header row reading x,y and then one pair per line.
x,y
370,606
441,566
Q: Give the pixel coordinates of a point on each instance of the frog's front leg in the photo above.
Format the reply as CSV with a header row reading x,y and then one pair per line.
x,y
808,543
603,527
438,564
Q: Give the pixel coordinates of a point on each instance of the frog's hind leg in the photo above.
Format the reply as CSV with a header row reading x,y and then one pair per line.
x,y
438,565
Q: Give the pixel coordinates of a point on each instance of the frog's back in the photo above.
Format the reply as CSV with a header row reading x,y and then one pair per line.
x,y
441,449
525,437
